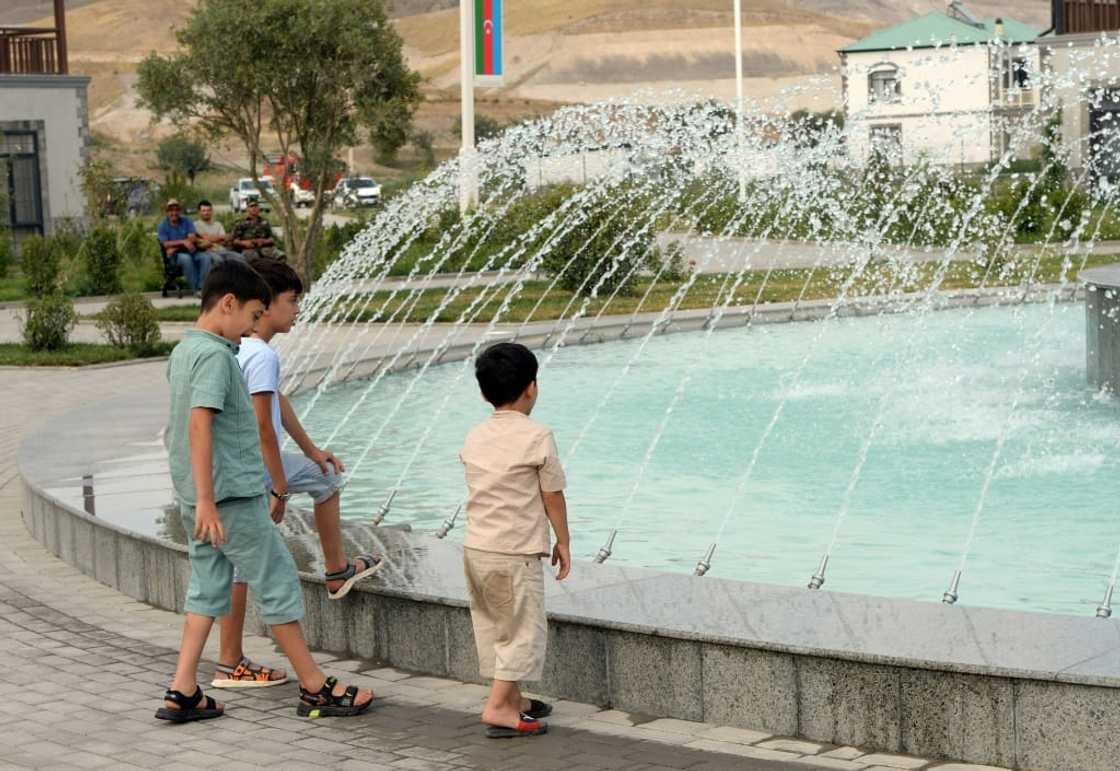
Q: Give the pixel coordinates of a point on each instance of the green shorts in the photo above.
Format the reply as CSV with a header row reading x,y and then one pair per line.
x,y
255,547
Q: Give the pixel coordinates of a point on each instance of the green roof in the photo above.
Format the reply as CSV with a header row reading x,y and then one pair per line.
x,y
936,27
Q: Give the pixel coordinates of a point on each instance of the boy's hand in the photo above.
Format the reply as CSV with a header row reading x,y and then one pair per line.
x,y
562,555
277,507
208,525
323,457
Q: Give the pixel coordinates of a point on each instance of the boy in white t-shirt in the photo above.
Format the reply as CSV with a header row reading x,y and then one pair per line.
x,y
315,471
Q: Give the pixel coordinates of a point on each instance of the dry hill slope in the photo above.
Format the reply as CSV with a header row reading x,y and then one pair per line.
x,y
557,50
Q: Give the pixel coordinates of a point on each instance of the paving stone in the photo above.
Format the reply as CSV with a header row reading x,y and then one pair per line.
x,y
743,750
844,753
893,761
792,745
730,734
836,764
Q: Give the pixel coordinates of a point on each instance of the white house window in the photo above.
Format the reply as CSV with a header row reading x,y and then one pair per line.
x,y
886,141
1016,74
883,84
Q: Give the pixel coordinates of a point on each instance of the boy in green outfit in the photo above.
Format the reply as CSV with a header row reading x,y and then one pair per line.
x,y
215,457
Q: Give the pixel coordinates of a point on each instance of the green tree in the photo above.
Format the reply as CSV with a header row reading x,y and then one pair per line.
x,y
312,74
485,127
183,154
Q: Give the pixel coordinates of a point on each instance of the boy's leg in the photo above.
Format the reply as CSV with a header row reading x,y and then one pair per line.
x,y
503,706
196,629
305,476
207,598
258,550
231,650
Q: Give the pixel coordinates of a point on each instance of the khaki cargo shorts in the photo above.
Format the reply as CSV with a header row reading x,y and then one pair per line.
x,y
507,611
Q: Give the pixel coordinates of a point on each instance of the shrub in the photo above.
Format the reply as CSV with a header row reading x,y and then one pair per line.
x,y
130,321
604,251
101,262
143,262
40,266
5,254
48,322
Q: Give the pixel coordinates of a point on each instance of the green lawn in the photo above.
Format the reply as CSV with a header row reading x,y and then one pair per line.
x,y
73,355
707,290
11,290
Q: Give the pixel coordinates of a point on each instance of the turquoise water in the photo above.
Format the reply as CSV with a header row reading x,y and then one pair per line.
x,y
1047,535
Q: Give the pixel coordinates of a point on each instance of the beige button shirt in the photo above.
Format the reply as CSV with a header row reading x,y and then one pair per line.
x,y
509,459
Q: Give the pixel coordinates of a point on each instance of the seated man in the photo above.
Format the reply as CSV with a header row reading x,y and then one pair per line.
x,y
178,238
252,235
212,237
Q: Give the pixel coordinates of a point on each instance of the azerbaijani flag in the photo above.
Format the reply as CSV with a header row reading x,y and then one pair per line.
x,y
487,40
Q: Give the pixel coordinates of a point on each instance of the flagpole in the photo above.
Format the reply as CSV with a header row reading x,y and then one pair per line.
x,y
739,98
468,181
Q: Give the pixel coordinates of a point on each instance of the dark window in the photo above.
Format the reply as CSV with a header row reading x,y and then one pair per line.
x,y
19,159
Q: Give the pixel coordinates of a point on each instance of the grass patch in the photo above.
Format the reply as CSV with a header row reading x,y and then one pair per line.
x,y
12,289
707,291
74,355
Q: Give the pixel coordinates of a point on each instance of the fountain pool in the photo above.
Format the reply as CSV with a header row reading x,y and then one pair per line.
x,y
1047,534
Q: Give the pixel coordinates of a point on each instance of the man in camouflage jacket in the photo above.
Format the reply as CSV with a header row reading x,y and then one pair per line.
x,y
252,235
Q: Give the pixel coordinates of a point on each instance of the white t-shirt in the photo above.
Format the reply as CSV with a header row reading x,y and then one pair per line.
x,y
211,228
260,366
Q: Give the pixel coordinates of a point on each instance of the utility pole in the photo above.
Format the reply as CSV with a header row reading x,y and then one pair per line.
x,y
468,156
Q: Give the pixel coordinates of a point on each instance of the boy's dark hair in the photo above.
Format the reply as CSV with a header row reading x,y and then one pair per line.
x,y
279,275
236,278
204,202
504,371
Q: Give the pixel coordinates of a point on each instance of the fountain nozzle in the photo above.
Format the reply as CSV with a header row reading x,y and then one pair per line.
x,y
379,517
605,551
704,565
449,523
817,581
952,594
1105,608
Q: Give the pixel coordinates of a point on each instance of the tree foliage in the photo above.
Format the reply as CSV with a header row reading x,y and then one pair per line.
x,y
313,74
183,154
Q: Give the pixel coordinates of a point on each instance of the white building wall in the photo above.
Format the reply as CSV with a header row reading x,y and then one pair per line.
x,y
944,108
1080,64
59,103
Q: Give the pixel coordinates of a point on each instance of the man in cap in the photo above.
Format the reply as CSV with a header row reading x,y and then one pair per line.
x,y
179,239
252,235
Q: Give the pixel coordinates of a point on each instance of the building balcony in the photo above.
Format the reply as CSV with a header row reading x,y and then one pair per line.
x,y
1017,98
1072,17
30,51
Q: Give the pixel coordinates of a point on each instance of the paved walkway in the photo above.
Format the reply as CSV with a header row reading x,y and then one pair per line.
x,y
82,668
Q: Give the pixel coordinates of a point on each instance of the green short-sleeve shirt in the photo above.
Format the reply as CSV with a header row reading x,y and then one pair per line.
x,y
203,372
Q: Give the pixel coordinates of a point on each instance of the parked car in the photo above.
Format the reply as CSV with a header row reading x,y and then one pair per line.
x,y
246,190
301,196
352,192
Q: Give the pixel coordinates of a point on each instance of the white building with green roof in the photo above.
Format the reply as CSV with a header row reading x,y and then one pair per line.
x,y
944,87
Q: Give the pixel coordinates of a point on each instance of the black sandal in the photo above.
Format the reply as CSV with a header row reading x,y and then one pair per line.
x,y
538,709
351,575
326,704
188,710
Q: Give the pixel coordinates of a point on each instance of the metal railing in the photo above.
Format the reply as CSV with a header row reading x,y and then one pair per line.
x,y
31,51
1073,16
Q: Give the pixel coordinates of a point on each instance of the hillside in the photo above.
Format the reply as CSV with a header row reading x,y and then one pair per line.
x,y
557,50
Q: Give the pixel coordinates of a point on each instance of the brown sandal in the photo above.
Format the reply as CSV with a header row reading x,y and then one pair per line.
x,y
246,675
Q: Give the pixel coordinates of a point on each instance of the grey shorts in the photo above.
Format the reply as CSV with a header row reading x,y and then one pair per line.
x,y
305,476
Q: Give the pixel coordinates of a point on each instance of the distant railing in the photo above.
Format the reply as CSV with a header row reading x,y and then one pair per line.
x,y
1018,97
1073,16
30,51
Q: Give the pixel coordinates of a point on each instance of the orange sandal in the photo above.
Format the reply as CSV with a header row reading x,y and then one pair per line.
x,y
246,675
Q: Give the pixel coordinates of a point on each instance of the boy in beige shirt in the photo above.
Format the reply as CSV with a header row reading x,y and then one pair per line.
x,y
515,490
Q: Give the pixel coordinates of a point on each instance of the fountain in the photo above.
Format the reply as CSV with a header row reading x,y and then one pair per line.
x,y
564,266
758,349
